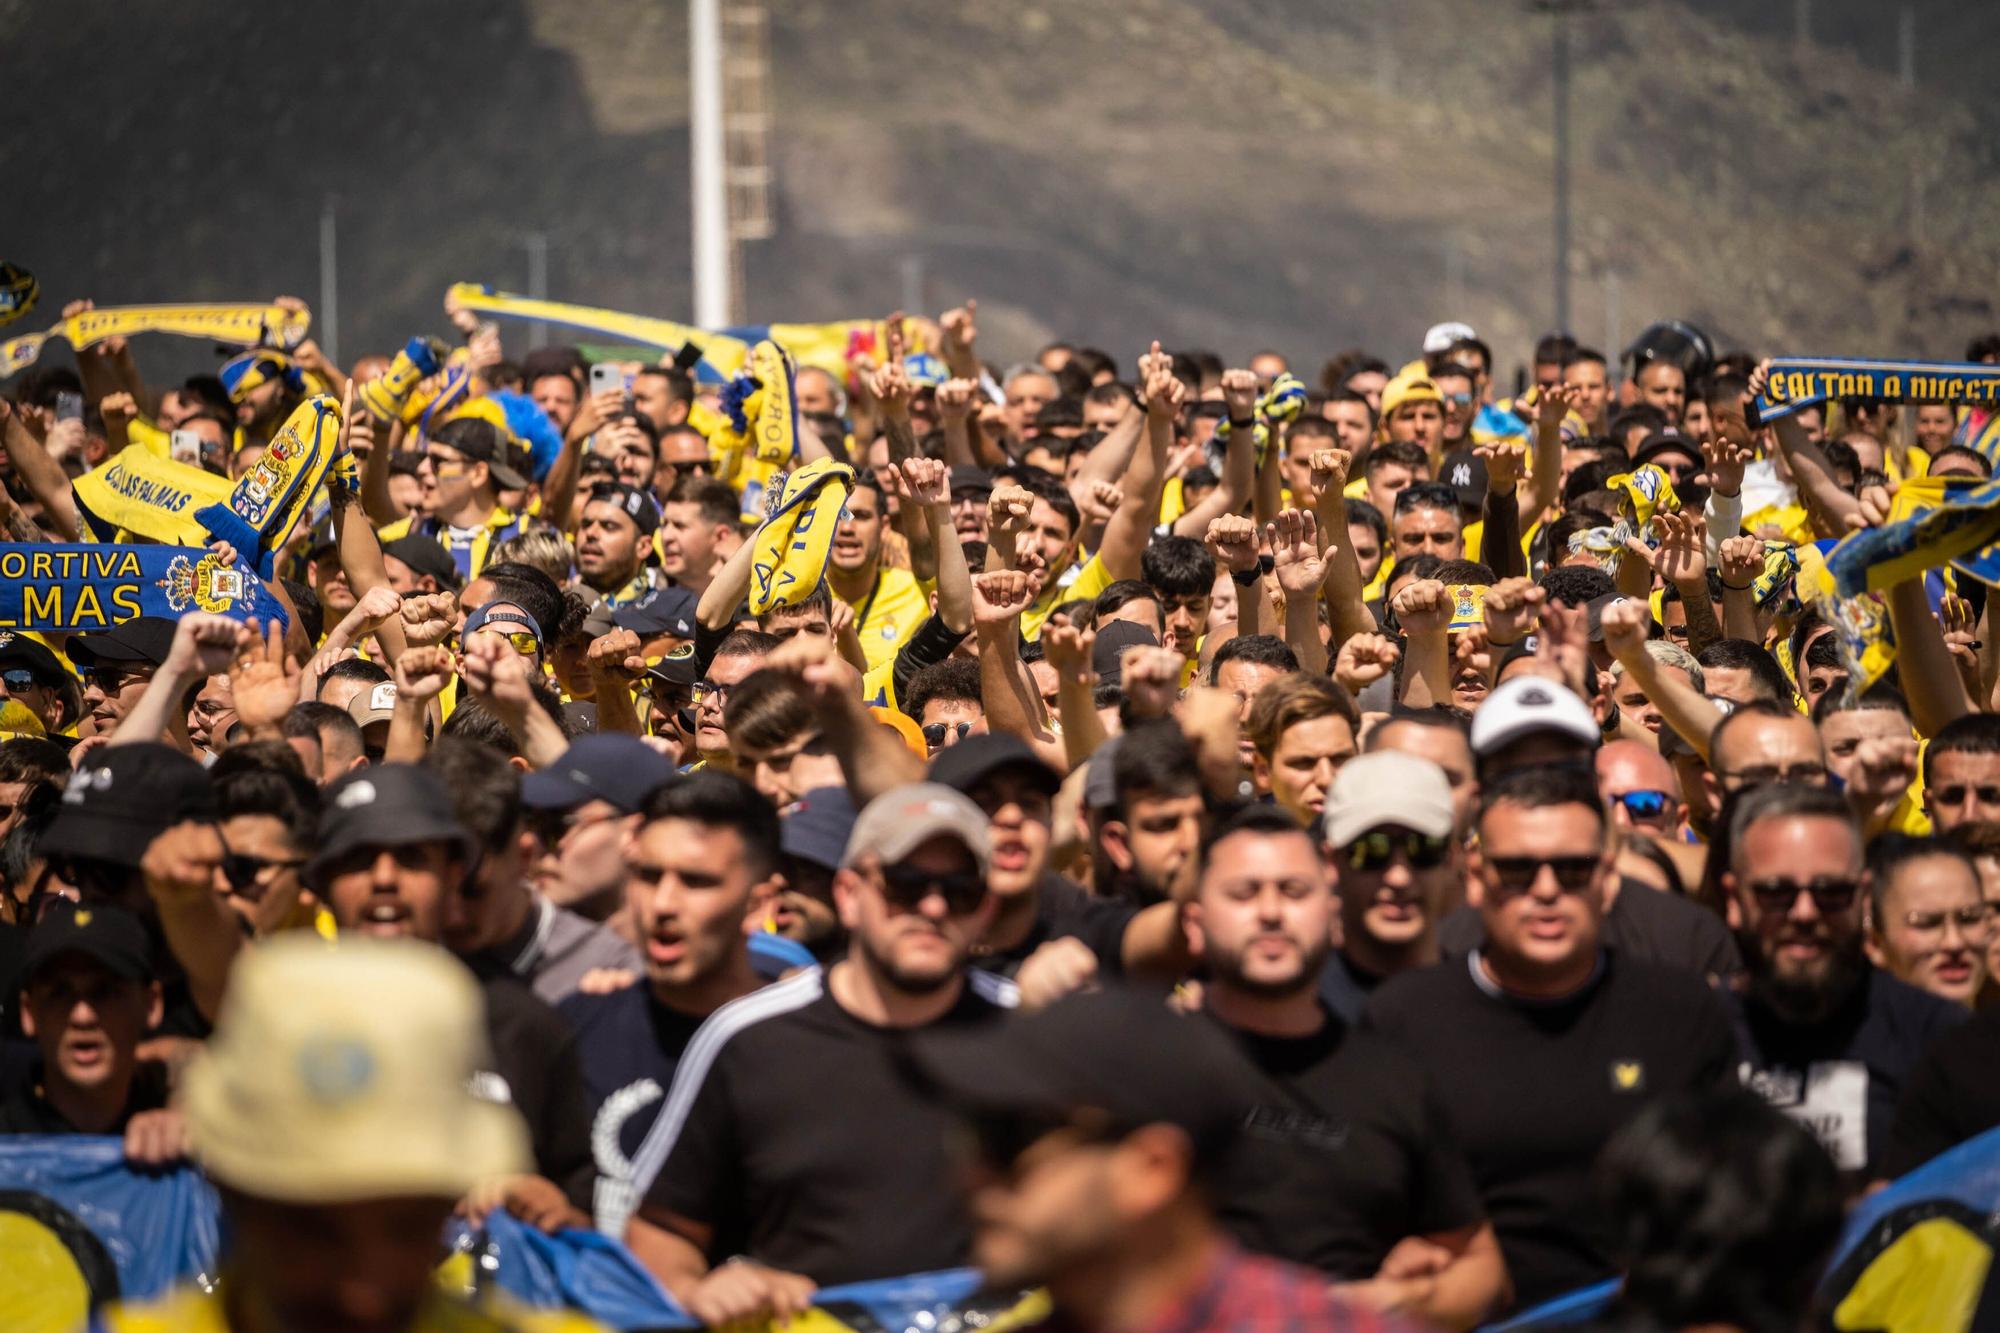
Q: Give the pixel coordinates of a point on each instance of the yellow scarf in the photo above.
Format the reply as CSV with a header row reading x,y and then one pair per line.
x,y
142,494
796,541
263,325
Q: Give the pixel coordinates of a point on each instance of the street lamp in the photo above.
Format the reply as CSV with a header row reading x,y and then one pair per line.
x,y
1559,12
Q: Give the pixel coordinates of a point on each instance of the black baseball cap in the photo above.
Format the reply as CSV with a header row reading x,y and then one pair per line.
x,y
1465,472
384,805
1667,442
817,827
107,935
636,504
678,667
611,766
425,555
19,650
122,798
975,758
1107,651
965,477
1117,1053
145,639
659,611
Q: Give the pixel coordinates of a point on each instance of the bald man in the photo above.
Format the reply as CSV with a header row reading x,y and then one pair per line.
x,y
1641,790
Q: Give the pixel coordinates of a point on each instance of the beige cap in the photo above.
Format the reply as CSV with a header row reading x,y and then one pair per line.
x,y
375,704
898,822
344,1072
1387,787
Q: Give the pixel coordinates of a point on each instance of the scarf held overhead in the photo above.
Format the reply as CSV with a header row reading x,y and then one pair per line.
x,y
269,500
791,550
724,352
84,587
146,494
1801,381
249,325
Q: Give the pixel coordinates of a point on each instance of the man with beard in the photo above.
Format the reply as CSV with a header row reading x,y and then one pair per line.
x,y
1348,1165
1548,1041
612,543
748,1170
393,863
1824,1036
1388,836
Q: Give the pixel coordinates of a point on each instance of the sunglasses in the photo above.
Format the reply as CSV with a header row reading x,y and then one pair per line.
x,y
1810,775
250,876
1952,795
935,732
906,887
1828,895
1374,850
18,679
521,641
1515,875
108,680
1644,804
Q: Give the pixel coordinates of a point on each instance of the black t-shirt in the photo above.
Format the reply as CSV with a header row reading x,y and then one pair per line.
x,y
1841,1078
23,1110
795,1138
535,1067
629,1044
1643,925
1347,1153
1064,909
1534,1090
1344,987
1952,1094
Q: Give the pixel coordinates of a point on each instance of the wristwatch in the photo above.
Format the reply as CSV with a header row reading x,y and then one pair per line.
x,y
1246,578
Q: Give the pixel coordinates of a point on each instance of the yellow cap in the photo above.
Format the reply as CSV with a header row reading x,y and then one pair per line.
x,y
1411,385
343,1073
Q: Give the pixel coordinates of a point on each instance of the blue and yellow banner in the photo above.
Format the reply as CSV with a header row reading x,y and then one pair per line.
x,y
1801,381
1932,522
1861,627
87,586
724,352
79,1229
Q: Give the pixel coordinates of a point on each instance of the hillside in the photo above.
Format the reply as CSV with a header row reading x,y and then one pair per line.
x,y
1235,172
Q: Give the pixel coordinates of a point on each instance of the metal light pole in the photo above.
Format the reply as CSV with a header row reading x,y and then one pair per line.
x,y
329,283
1559,70
537,243
708,188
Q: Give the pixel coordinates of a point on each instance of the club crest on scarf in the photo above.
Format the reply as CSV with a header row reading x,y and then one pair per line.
x,y
206,583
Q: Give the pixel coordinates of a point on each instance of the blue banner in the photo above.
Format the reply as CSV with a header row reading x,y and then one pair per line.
x,y
78,1227
91,586
1801,381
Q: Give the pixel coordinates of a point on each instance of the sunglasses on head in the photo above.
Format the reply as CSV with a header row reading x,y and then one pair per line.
x,y
906,887
1828,895
1375,849
1514,875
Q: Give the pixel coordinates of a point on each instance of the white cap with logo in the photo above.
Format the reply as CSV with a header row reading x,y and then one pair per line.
x,y
1526,705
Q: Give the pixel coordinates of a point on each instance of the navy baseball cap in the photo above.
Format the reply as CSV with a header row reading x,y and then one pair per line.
x,y
659,611
817,828
609,766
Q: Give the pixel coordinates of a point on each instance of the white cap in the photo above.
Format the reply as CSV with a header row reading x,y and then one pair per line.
x,y
1440,337
1528,704
1387,787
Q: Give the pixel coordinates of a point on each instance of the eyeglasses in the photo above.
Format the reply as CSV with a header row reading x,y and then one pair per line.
x,y
250,877
935,732
18,679
704,689
1810,775
1375,849
906,887
1952,795
1828,895
1971,921
1515,875
1645,804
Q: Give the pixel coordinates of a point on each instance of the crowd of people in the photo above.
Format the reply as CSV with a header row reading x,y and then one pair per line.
x,y
1228,851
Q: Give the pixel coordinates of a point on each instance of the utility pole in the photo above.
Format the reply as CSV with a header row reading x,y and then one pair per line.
x,y
329,283
1906,45
1559,78
708,188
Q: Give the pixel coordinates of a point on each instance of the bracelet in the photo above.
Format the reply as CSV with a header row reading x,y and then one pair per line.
x,y
1733,588
1246,578
1245,424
